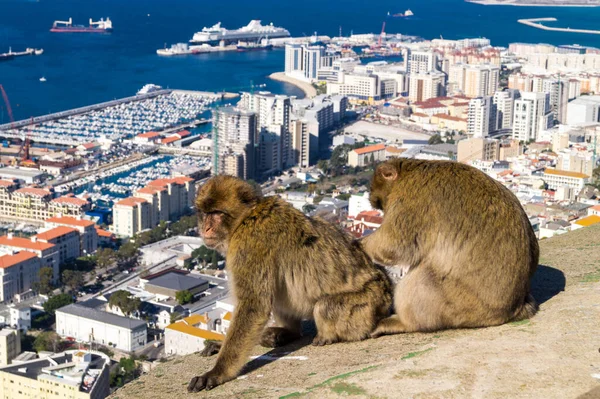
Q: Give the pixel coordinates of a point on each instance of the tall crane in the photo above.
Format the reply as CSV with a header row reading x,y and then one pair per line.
x,y
8,110
380,41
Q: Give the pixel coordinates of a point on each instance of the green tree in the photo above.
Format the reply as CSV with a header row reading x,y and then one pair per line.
x,y
323,165
215,260
125,301
203,254
308,208
184,297
105,257
435,139
44,286
57,302
73,279
47,341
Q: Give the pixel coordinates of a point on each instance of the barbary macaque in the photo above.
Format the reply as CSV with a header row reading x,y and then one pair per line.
x,y
280,261
468,245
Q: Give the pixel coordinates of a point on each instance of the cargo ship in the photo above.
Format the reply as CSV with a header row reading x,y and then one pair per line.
x,y
102,26
251,46
252,32
12,54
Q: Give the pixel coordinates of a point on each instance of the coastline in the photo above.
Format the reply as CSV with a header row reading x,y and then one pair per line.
x,y
514,4
307,88
536,23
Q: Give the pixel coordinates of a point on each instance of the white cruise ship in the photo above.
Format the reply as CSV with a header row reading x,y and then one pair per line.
x,y
254,31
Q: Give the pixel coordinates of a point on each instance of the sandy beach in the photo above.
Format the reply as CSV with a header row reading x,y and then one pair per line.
x,y
307,88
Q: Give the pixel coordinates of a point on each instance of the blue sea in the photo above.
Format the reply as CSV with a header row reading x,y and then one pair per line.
x,y
83,69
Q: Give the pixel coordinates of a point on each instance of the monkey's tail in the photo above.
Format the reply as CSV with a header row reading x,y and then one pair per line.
x,y
527,310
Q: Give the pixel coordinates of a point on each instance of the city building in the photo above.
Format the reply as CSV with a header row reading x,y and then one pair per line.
x,y
130,216
555,178
66,239
169,284
87,231
304,61
234,140
19,271
147,138
359,203
478,149
532,115
422,62
92,325
424,86
584,110
504,102
74,374
478,117
189,334
10,345
559,97
474,80
576,161
48,253
367,155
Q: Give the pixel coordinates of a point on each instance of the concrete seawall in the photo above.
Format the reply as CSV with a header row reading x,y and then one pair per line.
x,y
307,88
534,23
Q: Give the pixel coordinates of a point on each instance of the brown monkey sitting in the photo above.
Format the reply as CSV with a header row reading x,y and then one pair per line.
x,y
469,246
281,261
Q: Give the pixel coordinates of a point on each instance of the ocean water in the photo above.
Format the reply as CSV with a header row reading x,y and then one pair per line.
x,y
83,69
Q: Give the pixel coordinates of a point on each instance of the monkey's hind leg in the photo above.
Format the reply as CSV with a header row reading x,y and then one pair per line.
x,y
288,329
351,316
211,348
389,326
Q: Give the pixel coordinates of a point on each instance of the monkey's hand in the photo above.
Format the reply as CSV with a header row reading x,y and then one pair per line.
x,y
211,348
208,381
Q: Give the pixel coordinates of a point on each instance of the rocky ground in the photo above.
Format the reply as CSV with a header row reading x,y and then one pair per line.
x,y
553,355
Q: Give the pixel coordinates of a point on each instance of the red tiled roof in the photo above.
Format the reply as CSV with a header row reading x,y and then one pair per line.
x,y
370,219
19,242
450,118
148,135
104,233
33,191
70,200
55,233
165,182
170,139
7,183
71,221
371,148
89,146
14,259
184,133
420,115
151,190
131,201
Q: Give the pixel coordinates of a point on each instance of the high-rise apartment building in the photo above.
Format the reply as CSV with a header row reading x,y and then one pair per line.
x,y
234,139
478,117
422,62
532,115
504,102
474,80
559,97
425,86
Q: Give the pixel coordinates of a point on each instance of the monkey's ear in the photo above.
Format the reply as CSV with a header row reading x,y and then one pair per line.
x,y
387,171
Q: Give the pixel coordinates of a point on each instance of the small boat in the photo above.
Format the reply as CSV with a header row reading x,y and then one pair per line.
x,y
407,13
42,79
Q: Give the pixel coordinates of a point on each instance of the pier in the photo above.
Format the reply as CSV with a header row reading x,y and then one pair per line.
x,y
535,23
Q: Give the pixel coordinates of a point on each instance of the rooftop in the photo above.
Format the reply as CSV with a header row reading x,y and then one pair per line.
x,y
70,200
371,148
71,221
183,327
148,135
25,243
103,317
588,221
56,232
176,281
7,183
131,201
9,260
37,192
566,173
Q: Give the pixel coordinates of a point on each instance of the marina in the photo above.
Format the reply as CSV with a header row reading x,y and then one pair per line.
x,y
156,110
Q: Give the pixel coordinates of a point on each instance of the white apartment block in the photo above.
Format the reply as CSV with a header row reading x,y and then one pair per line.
x,y
48,253
422,62
304,61
18,272
365,156
358,203
87,231
557,178
130,216
505,104
66,239
478,117
475,80
188,335
478,149
423,87
360,86
532,115
576,161
559,97
584,110
234,137
91,325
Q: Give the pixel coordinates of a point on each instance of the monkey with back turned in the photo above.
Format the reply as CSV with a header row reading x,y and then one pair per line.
x,y
283,262
468,245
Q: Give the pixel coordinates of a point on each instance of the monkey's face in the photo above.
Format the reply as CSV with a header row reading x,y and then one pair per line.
x,y
221,203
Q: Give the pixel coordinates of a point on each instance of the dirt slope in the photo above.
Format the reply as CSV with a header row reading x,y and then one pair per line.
x,y
553,355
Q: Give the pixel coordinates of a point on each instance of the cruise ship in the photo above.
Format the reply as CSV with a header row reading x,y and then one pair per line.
x,y
254,31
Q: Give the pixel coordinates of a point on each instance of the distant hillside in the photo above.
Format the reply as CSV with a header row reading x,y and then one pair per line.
x,y
553,355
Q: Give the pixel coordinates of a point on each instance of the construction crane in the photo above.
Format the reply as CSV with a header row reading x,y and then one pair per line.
x,y
25,147
9,111
380,41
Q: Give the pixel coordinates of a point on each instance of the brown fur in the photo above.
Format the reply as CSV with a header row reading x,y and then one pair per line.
x,y
469,244
280,261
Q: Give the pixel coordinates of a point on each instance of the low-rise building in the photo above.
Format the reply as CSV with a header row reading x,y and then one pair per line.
x,y
74,374
188,335
66,239
147,138
87,231
10,345
91,325
556,178
19,271
168,284
48,253
477,149
359,203
367,155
